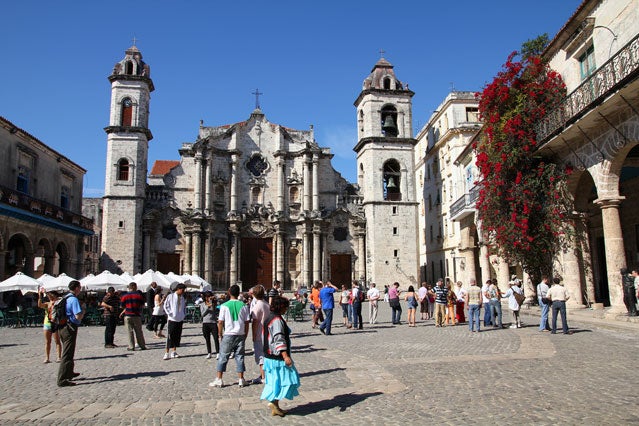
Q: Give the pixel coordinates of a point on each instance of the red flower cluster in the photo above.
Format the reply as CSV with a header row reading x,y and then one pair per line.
x,y
522,201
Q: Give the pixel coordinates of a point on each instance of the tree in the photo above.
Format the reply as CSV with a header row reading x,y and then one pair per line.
x,y
535,46
523,202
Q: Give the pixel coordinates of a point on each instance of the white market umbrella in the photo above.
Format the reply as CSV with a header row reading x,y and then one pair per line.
x,y
44,278
150,276
104,280
200,282
20,282
127,277
59,283
84,280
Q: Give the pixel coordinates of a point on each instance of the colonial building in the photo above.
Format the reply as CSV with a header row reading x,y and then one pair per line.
x,y
248,202
42,230
448,236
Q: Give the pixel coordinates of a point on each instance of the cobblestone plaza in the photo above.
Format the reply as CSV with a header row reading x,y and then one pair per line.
x,y
383,374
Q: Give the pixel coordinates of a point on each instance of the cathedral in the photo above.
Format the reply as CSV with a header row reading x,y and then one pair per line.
x,y
255,201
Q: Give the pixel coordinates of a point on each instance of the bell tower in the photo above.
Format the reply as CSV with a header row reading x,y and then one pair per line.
x,y
128,139
385,174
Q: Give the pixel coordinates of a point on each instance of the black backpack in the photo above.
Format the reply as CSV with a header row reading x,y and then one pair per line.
x,y
59,311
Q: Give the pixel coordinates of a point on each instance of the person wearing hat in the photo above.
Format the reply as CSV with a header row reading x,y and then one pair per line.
x,y
132,304
175,309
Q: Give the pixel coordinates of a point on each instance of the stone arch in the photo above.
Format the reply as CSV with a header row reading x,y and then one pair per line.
x,y
43,257
61,259
19,254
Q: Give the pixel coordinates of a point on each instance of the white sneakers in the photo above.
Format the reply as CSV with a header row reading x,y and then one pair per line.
x,y
217,383
166,356
241,383
217,356
209,356
175,355
171,355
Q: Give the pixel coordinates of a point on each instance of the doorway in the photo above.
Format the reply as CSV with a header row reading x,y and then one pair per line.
x,y
256,263
341,270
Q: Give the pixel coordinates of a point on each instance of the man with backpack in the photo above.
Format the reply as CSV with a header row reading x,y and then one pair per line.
x,y
68,323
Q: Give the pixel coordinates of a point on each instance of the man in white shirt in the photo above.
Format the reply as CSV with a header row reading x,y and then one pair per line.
x,y
558,294
486,302
422,296
373,297
544,303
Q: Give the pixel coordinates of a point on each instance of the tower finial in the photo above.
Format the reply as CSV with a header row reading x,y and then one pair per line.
x,y
257,94
134,40
381,53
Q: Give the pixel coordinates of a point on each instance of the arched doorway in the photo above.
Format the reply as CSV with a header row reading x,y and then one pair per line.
x,y
61,260
18,250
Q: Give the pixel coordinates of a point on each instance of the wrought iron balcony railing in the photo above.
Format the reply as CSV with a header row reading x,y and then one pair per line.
x,y
465,202
616,72
42,208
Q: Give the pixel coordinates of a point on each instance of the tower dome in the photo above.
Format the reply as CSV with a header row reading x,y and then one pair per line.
x,y
382,77
132,64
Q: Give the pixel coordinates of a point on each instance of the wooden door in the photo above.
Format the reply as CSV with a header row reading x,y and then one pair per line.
x,y
341,272
168,262
256,263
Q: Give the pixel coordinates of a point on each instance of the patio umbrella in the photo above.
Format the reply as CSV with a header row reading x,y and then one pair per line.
x,y
150,276
44,278
59,283
85,279
104,280
200,282
183,279
21,282
127,277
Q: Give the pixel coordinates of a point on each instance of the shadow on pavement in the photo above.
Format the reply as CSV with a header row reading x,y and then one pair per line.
x,y
318,372
124,355
116,377
342,401
306,349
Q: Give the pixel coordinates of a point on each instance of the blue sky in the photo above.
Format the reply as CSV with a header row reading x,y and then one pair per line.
x,y
206,57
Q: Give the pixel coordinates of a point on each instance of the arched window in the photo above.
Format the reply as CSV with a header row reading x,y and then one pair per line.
x,y
123,169
389,121
292,260
128,68
387,83
127,112
293,195
391,181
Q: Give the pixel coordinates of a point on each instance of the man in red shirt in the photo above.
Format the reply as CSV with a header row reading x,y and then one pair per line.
x,y
132,304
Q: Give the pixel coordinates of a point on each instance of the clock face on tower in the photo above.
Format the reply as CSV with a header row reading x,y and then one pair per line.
x,y
256,165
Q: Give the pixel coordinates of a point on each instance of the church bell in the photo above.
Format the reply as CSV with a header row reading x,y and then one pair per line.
x,y
389,127
391,183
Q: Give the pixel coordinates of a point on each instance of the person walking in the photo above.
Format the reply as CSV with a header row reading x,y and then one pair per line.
x,y
344,302
175,308
111,304
68,330
486,303
316,304
50,330
411,303
260,311
494,295
558,294
395,305
356,300
513,304
281,377
544,303
473,299
328,304
159,316
373,296
150,303
233,323
208,309
132,304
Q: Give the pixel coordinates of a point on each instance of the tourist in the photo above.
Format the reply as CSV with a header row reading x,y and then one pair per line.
x,y
260,311
356,302
544,303
150,303
274,291
635,275
233,324
459,306
629,296
50,330
422,298
208,311
411,302
486,303
175,309
494,296
68,335
431,302
282,379
473,299
558,294
451,301
316,306
513,305
393,301
344,302
132,304
373,298
441,300
386,293
110,305
158,314
328,304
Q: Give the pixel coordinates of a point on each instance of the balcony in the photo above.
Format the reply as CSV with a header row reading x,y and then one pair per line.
x,y
613,75
465,206
24,207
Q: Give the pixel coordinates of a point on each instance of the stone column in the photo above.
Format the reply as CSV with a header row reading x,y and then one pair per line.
x,y
530,288
572,277
361,256
280,257
233,277
146,255
316,252
234,184
469,268
196,267
315,182
3,256
484,264
208,257
307,185
615,252
48,264
187,253
197,202
208,186
306,259
503,275
281,181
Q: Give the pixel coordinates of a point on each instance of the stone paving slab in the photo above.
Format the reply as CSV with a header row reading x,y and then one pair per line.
x,y
383,374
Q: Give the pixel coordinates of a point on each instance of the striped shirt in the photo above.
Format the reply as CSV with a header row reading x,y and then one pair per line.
x,y
132,303
441,294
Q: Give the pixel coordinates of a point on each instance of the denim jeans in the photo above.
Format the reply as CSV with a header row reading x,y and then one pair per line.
x,y
473,317
487,314
559,306
235,344
328,320
495,312
543,322
357,314
396,314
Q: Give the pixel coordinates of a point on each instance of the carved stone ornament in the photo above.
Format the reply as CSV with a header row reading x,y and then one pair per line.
x,y
257,165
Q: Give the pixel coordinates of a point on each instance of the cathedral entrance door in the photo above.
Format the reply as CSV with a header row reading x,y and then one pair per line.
x,y
256,263
341,272
168,262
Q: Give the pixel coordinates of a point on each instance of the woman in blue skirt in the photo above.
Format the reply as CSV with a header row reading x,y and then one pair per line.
x,y
281,377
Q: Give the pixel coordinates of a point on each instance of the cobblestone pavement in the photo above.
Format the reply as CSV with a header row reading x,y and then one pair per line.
x,y
383,374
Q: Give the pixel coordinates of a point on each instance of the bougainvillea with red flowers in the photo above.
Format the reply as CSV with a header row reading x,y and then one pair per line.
x,y
523,202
